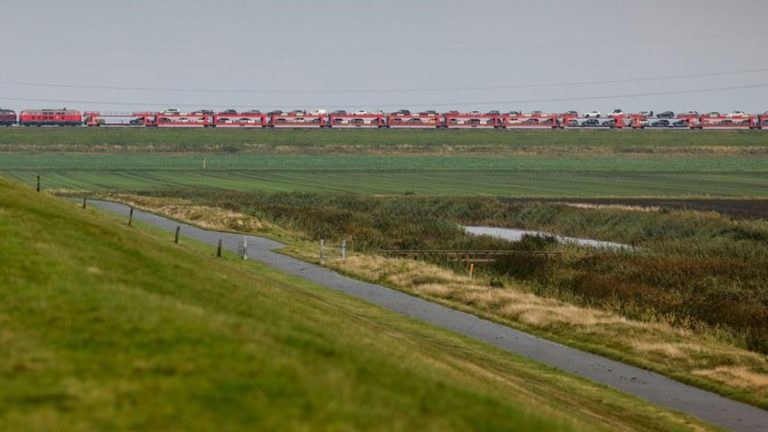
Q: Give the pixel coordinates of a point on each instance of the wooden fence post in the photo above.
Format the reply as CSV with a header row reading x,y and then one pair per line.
x,y
38,184
344,249
218,250
130,218
322,251
176,236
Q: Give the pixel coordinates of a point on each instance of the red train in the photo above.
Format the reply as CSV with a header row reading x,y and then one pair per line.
x,y
7,117
51,117
405,119
231,119
297,119
402,119
341,119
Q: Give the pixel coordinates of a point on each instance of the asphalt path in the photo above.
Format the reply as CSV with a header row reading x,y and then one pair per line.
x,y
642,383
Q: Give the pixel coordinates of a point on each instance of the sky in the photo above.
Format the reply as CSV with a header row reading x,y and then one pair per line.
x,y
550,55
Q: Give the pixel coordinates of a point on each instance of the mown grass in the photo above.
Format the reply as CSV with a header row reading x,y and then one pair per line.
x,y
106,327
518,293
196,140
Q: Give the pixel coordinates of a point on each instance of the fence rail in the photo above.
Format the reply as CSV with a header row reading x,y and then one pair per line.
x,y
326,247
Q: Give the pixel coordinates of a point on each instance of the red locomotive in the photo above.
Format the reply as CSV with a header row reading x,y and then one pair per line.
x,y
51,117
7,117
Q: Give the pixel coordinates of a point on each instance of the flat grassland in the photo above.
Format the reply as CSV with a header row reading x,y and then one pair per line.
x,y
423,175
176,140
107,327
678,164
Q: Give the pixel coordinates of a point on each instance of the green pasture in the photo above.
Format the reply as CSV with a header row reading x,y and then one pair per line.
x,y
526,176
531,163
182,140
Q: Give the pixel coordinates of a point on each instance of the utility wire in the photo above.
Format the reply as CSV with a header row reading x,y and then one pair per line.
x,y
462,103
479,47
403,90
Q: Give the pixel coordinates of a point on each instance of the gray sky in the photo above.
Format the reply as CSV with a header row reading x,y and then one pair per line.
x,y
351,54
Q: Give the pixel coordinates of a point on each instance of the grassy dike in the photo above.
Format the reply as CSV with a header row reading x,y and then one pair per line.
x,y
106,327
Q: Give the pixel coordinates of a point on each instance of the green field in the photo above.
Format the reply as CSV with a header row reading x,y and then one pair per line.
x,y
107,327
181,140
528,176
380,163
426,162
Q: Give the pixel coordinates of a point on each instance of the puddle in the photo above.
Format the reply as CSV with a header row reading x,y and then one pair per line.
x,y
512,234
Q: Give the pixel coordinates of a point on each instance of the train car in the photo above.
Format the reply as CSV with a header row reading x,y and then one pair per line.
x,y
690,115
568,118
642,121
250,119
455,120
528,121
614,122
297,119
7,117
404,119
720,121
50,117
183,120
369,120
111,119
666,123
762,121
638,121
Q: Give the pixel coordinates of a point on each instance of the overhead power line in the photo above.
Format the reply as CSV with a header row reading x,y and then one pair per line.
x,y
402,90
420,104
288,50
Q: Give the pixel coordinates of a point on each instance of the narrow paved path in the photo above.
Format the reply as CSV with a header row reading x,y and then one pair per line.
x,y
651,386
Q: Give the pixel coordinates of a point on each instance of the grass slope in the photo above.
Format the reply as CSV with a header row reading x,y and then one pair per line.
x,y
106,327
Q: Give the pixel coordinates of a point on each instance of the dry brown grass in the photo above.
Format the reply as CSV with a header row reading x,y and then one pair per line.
x,y
431,280
203,216
612,207
655,345
737,375
679,352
